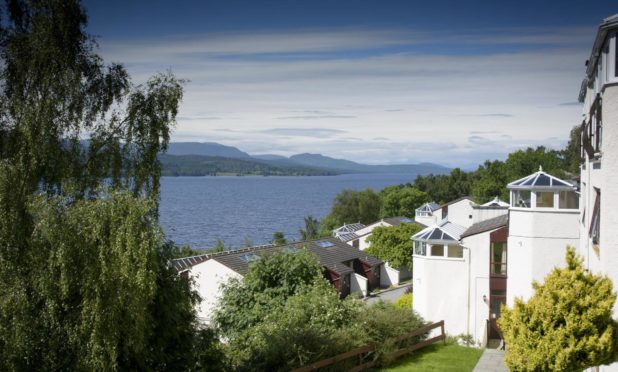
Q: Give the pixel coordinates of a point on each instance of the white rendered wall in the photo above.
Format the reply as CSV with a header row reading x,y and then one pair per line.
x,y
427,220
388,276
368,229
484,213
478,251
358,285
363,243
440,291
609,188
460,213
536,244
208,277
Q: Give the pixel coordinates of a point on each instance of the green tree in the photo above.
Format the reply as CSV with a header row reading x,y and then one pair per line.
x,y
269,282
393,244
311,230
444,188
524,162
490,181
401,201
566,325
310,325
352,206
572,152
278,238
85,281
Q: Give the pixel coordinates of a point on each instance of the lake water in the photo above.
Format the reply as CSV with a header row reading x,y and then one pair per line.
x,y
199,210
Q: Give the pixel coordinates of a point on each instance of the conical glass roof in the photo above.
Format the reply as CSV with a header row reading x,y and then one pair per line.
x,y
540,180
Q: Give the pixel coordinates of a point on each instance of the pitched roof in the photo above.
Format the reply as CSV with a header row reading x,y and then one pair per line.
x,y
428,207
348,228
487,225
331,252
539,181
181,264
445,231
495,202
458,200
346,237
396,221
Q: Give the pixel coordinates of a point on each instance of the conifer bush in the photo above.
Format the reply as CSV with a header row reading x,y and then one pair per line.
x,y
566,325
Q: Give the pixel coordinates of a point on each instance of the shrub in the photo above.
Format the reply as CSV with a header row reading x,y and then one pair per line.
x,y
404,302
566,325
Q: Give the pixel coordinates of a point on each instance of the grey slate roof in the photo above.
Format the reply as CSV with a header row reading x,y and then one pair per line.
x,y
348,228
346,237
331,257
396,221
181,264
487,225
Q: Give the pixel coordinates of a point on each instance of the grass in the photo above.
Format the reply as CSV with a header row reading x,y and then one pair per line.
x,y
438,357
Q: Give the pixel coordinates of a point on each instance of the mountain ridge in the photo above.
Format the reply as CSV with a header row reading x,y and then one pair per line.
x,y
311,164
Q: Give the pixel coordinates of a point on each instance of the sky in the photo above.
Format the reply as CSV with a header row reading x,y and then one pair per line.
x,y
378,82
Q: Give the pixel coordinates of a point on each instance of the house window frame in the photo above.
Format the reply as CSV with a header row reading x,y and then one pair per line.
x,y
502,263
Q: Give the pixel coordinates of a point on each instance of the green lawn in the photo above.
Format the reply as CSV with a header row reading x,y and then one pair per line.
x,y
438,357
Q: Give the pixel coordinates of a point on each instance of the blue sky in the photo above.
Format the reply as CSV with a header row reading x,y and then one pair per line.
x,y
452,82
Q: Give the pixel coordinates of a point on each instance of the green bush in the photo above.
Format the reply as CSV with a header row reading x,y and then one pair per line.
x,y
405,301
566,325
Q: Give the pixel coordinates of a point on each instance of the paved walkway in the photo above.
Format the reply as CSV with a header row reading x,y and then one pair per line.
x,y
492,360
391,294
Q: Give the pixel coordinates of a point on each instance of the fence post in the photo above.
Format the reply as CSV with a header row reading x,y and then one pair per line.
x,y
442,330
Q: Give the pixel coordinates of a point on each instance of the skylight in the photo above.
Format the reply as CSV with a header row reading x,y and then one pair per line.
x,y
325,244
247,257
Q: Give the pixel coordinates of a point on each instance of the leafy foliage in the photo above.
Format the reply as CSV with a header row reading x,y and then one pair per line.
x,y
567,324
491,178
278,238
393,244
85,282
269,282
401,201
405,301
352,206
311,230
283,314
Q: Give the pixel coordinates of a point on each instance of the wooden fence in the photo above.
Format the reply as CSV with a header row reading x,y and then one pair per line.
x,y
370,348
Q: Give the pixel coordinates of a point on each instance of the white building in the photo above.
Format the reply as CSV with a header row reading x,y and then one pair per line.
x,y
356,234
599,168
428,214
460,263
348,269
543,221
453,266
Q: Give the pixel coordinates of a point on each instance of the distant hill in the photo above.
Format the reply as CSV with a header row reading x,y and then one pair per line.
x,y
269,157
207,158
317,160
198,165
206,149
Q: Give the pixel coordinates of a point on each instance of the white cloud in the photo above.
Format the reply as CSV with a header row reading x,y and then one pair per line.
x,y
425,103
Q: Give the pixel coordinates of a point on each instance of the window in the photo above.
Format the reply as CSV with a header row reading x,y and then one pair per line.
x,y
521,198
422,214
544,199
498,259
568,200
437,250
595,222
615,55
420,248
455,251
